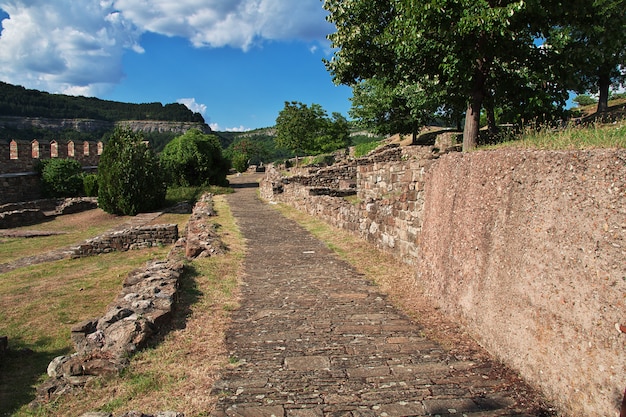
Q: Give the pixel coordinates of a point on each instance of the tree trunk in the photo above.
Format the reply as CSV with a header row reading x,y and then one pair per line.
x,y
472,115
604,82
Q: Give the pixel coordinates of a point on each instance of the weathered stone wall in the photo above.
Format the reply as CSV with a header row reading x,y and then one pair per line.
x,y
35,211
526,248
387,207
143,308
25,155
19,187
128,239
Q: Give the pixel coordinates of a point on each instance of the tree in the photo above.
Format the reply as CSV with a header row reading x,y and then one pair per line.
x,y
194,159
386,109
307,129
455,45
61,177
590,36
130,178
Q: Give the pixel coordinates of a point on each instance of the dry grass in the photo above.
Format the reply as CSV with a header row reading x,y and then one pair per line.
x,y
74,228
177,373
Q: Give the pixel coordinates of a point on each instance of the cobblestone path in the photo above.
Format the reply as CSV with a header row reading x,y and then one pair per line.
x,y
313,338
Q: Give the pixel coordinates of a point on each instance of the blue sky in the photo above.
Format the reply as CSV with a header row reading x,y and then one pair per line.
x,y
234,61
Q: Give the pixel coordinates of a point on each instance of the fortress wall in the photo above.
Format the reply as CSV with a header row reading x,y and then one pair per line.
x,y
18,161
527,249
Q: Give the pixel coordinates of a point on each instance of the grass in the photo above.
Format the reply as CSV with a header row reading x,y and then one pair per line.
x,y
74,228
571,138
364,148
175,373
42,302
176,195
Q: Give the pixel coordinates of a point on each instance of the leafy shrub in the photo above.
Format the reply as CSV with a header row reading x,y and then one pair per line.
x,y
194,159
130,178
90,185
240,161
61,177
584,100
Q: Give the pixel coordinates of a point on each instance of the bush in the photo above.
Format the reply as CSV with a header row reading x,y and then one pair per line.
x,y
194,159
584,100
130,178
240,162
61,177
90,185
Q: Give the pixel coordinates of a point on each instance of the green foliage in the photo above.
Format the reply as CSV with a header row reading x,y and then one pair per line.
x,y
90,185
306,129
443,56
194,159
61,177
364,148
584,100
130,178
240,161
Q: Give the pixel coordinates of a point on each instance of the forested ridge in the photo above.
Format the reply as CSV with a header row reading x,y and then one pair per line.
x,y
22,102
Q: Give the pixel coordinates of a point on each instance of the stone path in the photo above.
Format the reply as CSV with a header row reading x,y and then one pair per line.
x,y
314,338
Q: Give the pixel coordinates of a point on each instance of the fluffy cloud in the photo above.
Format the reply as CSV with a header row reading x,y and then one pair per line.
x,y
235,23
76,47
193,105
64,46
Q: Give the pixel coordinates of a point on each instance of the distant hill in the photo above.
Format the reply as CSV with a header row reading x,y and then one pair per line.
x,y
31,114
22,102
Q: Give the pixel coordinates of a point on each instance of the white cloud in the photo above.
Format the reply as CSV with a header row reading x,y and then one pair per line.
x,y
235,23
76,47
238,129
64,46
193,105
214,127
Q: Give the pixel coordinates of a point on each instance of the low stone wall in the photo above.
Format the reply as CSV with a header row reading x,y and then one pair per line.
x,y
32,212
128,239
525,248
143,308
388,189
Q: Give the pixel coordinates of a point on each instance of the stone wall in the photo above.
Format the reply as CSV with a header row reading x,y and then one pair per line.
x,y
19,187
525,248
388,189
128,239
142,309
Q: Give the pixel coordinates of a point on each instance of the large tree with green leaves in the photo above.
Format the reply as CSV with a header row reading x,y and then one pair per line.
x,y
130,178
307,129
456,45
590,37
387,109
194,159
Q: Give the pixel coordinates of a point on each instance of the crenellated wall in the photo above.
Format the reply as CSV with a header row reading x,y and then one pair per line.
x,y
18,160
527,249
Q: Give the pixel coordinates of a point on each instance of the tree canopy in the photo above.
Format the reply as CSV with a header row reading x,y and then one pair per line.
x,y
308,129
130,178
194,159
468,55
19,101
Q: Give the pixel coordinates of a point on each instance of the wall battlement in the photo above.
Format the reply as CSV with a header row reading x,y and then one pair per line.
x,y
18,161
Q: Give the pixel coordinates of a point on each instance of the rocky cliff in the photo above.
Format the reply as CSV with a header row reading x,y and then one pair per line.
x,y
92,125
